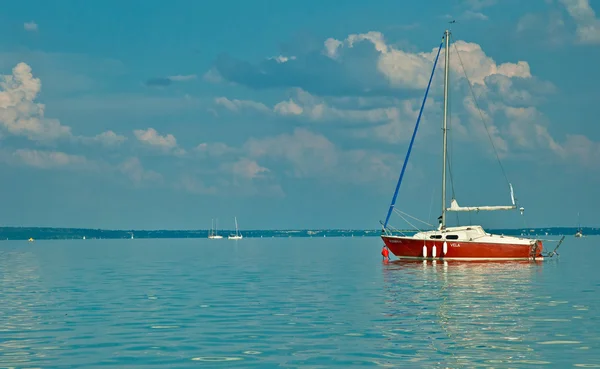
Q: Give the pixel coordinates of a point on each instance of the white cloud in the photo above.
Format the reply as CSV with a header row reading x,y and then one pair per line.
x,y
249,169
152,138
479,66
49,159
309,153
19,114
180,78
316,108
497,86
109,138
574,150
469,14
507,92
588,26
412,70
30,26
288,108
306,154
331,47
390,122
283,59
214,149
212,76
132,168
237,105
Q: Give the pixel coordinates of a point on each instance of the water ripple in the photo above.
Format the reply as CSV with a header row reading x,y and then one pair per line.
x,y
317,304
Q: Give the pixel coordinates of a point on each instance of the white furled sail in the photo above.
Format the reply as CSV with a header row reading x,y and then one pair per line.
x,y
455,207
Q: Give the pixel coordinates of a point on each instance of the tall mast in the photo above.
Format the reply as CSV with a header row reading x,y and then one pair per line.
x,y
444,129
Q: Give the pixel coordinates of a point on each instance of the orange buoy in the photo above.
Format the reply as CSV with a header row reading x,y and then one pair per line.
x,y
385,253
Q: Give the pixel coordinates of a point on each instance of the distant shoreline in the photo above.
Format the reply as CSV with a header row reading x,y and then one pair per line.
x,y
47,233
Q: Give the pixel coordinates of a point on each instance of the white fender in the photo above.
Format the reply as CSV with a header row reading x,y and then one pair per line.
x,y
424,251
445,248
433,251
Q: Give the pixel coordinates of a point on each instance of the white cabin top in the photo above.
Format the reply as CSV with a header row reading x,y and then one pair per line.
x,y
470,233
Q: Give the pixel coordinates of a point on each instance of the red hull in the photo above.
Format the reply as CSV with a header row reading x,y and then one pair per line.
x,y
407,247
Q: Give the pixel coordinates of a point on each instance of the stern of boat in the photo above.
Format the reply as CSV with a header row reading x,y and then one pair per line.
x,y
537,249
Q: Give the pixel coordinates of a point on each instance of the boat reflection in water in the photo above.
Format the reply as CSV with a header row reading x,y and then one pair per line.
x,y
460,314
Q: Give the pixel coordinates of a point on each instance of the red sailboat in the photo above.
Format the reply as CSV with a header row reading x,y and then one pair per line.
x,y
464,242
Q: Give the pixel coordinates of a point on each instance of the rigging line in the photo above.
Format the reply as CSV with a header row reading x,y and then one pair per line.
x,y
392,228
430,205
481,115
450,169
412,225
412,140
408,215
450,158
449,161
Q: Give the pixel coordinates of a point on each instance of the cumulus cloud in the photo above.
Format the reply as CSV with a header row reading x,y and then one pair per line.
x,y
588,26
283,59
107,139
507,93
212,76
237,105
247,168
288,108
581,149
20,114
152,138
110,138
30,26
471,15
318,109
214,149
133,169
528,127
311,155
181,78
313,72
49,159
363,64
388,120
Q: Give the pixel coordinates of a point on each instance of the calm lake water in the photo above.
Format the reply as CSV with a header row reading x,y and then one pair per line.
x,y
271,303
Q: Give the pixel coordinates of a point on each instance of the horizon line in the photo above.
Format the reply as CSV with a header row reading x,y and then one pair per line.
x,y
259,229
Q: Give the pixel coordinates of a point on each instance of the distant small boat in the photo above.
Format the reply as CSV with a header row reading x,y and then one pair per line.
x,y
30,240
579,232
213,230
237,235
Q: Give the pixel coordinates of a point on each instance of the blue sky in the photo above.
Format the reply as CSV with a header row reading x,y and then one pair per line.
x,y
295,114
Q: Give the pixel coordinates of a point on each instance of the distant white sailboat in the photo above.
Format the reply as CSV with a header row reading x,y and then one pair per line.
x,y
237,235
213,230
579,232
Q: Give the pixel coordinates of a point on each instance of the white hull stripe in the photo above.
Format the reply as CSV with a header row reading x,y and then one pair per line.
x,y
467,259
